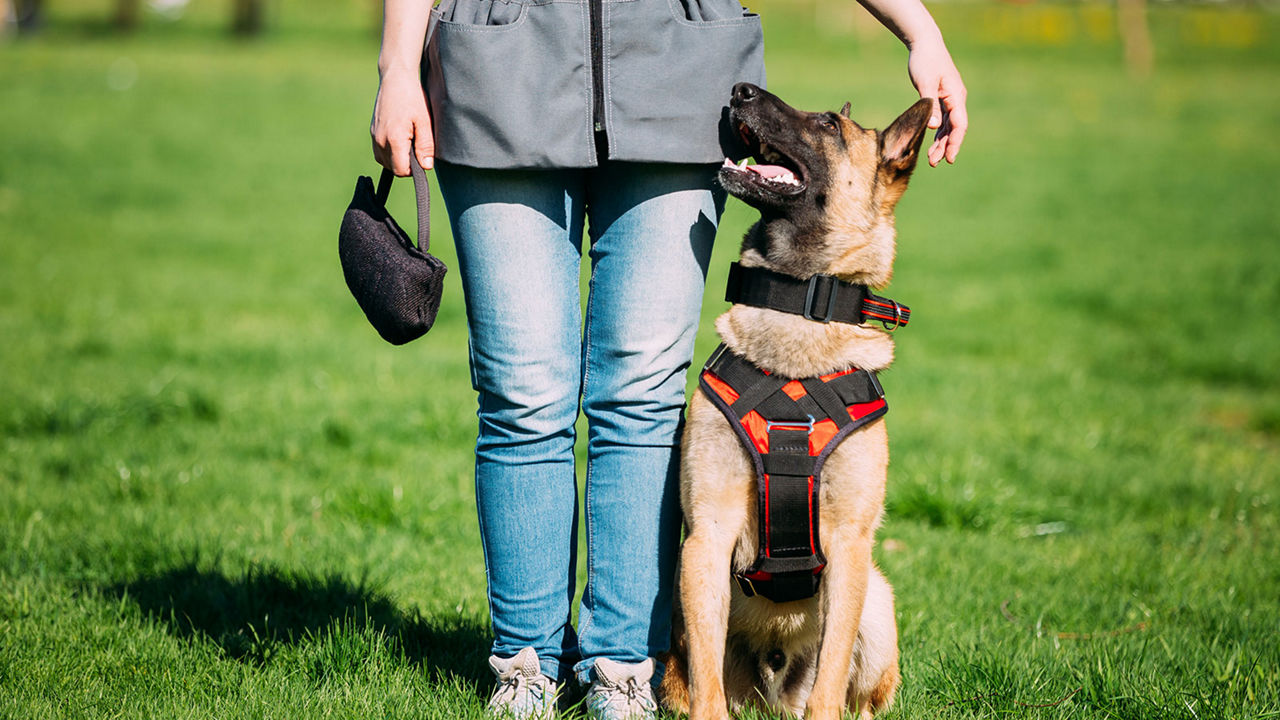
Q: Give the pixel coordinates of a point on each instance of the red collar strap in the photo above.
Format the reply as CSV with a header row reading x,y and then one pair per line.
x,y
790,427
822,298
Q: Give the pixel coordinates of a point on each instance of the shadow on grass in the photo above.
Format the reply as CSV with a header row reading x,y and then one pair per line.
x,y
251,615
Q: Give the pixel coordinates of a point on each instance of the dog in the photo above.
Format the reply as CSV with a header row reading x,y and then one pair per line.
x,y
826,206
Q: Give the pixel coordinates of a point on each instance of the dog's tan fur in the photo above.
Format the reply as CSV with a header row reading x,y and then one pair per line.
x,y
840,646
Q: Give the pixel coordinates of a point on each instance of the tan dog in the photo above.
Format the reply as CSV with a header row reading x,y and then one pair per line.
x,y
826,208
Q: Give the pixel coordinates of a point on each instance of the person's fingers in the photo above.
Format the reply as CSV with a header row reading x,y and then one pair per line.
x,y
953,144
379,152
938,148
958,119
928,88
378,138
424,143
399,155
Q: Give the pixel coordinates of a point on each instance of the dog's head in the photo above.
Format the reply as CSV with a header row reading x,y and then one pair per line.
x,y
825,186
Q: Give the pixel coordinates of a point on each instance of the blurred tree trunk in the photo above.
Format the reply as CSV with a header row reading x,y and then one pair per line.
x,y
28,14
1139,56
127,15
247,16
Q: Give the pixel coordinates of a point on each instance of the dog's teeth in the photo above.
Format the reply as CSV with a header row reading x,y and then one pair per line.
x,y
787,179
728,163
768,153
743,165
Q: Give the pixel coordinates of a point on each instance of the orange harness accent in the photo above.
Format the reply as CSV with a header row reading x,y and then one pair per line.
x,y
790,427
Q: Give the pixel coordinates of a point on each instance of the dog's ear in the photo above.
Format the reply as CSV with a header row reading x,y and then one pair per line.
x,y
844,111
899,150
900,142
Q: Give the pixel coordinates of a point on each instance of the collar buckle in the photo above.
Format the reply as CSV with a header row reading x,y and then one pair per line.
x,y
812,293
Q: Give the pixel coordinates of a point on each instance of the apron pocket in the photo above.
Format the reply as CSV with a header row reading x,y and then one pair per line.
x,y
668,77
709,10
485,12
514,94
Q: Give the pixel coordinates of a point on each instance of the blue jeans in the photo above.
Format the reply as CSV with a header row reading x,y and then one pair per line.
x,y
534,356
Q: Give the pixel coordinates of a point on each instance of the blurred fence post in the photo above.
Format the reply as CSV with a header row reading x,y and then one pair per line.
x,y
1139,56
247,17
126,15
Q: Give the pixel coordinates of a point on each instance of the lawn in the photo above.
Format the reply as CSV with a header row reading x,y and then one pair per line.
x,y
222,496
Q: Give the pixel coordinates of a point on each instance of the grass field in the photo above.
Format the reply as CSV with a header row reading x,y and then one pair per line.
x,y
221,496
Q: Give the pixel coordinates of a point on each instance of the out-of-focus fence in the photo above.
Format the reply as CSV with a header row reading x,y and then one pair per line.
x,y
247,16
1224,23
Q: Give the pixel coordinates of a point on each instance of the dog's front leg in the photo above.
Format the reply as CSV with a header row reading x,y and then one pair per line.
x,y
844,590
704,597
717,491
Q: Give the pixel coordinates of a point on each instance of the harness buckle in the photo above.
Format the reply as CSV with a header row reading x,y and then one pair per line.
x,y
875,383
715,356
769,425
897,317
813,292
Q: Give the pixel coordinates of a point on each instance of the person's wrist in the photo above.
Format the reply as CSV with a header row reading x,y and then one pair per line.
x,y
927,39
396,67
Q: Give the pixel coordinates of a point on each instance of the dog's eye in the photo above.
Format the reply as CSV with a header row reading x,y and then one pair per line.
x,y
829,124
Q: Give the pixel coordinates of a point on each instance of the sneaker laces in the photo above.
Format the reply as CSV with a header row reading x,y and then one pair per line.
x,y
629,699
637,694
623,697
522,690
508,689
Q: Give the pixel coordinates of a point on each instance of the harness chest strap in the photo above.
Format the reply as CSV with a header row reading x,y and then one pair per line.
x,y
790,427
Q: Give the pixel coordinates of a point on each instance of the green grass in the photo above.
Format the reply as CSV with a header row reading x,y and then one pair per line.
x,y
222,496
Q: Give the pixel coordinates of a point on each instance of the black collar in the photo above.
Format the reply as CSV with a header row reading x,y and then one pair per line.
x,y
822,298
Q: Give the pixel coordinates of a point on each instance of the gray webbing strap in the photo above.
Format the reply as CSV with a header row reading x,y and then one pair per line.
x,y
422,190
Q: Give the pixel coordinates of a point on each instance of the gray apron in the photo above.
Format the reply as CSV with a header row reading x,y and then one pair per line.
x,y
511,83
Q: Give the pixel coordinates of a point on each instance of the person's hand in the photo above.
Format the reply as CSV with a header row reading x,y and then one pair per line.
x,y
401,121
935,76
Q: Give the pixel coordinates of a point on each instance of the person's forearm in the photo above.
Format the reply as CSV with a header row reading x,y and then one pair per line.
x,y
404,27
908,19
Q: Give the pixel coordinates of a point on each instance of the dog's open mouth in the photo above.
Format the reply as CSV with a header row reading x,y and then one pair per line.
x,y
773,171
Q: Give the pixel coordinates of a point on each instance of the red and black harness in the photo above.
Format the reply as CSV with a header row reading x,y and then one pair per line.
x,y
791,426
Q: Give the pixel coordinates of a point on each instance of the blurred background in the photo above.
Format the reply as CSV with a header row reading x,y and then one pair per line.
x,y
221,495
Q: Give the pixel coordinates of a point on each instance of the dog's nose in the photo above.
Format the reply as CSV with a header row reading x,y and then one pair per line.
x,y
745,92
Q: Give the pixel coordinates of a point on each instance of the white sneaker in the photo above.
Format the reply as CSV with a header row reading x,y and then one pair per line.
x,y
523,692
621,691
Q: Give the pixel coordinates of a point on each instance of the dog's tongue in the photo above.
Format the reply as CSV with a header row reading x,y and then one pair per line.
x,y
769,171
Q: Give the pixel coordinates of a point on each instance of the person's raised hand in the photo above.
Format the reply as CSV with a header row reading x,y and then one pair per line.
x,y
935,76
400,122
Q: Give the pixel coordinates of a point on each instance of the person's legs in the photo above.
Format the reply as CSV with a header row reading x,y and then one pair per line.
x,y
652,228
519,237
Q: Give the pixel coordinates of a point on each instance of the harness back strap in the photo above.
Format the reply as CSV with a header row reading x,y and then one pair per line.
x,y
824,298
790,427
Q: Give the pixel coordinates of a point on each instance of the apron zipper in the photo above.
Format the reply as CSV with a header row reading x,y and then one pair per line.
x,y
597,65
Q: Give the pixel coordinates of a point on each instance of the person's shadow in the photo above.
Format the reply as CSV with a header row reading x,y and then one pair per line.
x,y
249,616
